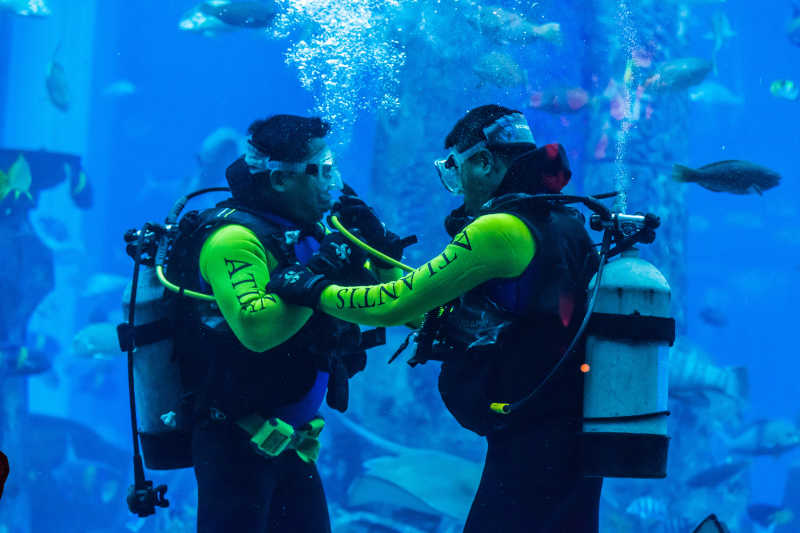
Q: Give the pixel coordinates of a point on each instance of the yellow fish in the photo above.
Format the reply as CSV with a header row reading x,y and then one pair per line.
x,y
18,180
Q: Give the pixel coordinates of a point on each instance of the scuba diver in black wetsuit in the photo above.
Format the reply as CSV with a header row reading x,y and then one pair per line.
x,y
512,290
257,368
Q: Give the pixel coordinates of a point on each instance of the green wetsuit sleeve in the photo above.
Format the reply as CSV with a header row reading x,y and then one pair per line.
x,y
493,246
237,267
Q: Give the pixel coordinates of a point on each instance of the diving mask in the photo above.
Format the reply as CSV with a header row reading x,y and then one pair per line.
x,y
508,129
449,169
321,167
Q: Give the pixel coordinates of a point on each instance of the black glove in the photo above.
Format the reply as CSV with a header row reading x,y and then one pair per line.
x,y
298,285
355,214
340,261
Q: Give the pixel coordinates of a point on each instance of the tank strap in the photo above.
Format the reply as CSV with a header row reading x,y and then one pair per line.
x,y
632,327
144,334
626,418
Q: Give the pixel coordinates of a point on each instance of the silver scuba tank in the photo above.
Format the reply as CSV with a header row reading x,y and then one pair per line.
x,y
163,419
625,382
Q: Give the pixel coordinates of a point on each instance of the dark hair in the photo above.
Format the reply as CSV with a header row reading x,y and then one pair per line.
x,y
469,130
286,137
282,138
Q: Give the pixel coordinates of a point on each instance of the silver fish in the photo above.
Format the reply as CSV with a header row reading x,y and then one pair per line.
x,y
678,74
428,481
721,31
57,86
647,509
765,437
710,92
692,372
499,69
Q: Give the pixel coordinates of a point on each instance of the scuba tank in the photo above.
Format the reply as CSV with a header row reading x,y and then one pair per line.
x,y
626,371
624,431
164,422
154,379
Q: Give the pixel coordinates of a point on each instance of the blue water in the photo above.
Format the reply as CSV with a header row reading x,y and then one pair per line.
x,y
743,252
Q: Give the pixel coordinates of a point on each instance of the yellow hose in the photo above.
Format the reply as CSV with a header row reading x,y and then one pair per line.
x,y
338,225
366,247
174,288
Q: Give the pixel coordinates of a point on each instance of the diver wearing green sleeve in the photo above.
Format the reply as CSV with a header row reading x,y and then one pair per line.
x,y
493,246
513,283
258,367
236,266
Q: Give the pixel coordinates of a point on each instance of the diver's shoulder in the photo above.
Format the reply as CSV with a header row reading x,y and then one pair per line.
x,y
501,227
231,235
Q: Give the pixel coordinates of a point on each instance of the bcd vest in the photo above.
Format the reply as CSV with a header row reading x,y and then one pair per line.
x,y
501,339
217,370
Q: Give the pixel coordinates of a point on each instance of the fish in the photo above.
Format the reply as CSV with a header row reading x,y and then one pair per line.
x,y
560,100
219,145
793,27
215,16
711,525
199,20
647,509
713,317
96,341
26,8
504,26
103,283
120,88
691,373
678,74
89,475
767,515
18,180
243,14
765,437
425,480
733,176
499,69
57,84
721,31
716,475
713,93
358,521
785,89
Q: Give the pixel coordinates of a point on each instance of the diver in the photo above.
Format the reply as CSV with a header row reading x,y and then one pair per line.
x,y
503,300
258,368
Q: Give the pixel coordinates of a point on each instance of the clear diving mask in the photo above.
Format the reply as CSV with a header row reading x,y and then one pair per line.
x,y
508,129
320,167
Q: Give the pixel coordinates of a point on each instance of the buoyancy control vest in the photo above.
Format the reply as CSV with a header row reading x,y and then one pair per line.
x,y
502,338
217,370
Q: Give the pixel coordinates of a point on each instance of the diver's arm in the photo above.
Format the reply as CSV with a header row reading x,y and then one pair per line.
x,y
392,274
237,266
493,246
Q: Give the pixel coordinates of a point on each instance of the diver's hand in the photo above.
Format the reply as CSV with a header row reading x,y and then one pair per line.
x,y
355,214
340,261
298,285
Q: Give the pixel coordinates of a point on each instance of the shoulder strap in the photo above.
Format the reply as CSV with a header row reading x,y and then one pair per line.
x,y
269,233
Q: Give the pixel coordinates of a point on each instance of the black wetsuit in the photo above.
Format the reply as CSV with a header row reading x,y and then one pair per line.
x,y
532,480
240,490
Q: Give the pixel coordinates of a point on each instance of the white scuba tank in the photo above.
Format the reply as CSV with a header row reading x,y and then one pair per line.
x,y
625,383
164,423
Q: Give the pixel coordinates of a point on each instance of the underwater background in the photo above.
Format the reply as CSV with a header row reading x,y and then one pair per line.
x,y
118,108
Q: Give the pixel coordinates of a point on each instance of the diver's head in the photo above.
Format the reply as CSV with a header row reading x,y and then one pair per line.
x,y
482,145
288,168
